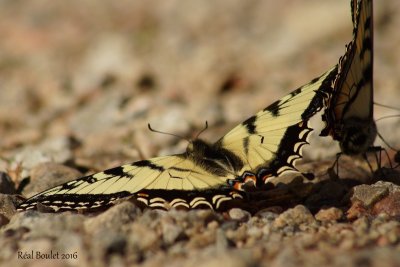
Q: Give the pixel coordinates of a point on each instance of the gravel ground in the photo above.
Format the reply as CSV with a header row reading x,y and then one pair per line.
x,y
79,82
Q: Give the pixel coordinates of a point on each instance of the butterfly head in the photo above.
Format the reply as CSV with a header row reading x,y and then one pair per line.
x,y
198,148
357,136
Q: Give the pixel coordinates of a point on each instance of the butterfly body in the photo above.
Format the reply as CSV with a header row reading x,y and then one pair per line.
x,y
215,159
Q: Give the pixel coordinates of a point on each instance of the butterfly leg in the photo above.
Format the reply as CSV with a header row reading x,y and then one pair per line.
x,y
397,159
396,156
377,150
369,164
331,170
378,157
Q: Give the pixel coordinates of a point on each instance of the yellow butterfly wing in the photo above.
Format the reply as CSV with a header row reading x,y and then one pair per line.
x,y
163,182
271,140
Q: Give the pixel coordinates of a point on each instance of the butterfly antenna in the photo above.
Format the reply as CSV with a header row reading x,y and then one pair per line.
x,y
380,136
385,142
389,116
385,106
175,135
205,128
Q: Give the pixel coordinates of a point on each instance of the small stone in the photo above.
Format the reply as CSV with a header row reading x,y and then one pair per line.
x,y
56,149
356,210
46,224
42,244
205,216
106,244
389,205
238,235
230,225
213,225
330,214
202,240
239,215
222,243
361,226
112,219
7,205
294,217
267,215
172,232
143,238
73,242
369,194
6,184
240,258
3,220
254,232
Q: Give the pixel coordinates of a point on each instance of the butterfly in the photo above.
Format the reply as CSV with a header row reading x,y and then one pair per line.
x,y
262,147
206,175
349,114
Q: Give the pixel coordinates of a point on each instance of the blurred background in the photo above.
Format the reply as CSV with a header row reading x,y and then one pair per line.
x,y
80,80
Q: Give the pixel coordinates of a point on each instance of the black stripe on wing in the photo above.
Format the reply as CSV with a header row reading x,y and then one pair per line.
x,y
288,153
148,164
317,102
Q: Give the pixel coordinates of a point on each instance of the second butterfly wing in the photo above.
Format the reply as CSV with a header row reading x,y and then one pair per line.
x,y
270,142
349,116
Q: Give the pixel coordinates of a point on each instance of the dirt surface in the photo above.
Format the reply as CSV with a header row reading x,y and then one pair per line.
x,y
80,81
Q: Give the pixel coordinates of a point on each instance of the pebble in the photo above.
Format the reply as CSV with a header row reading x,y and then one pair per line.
x,y
57,149
7,205
116,217
239,214
46,224
381,197
329,214
267,215
107,244
235,258
142,239
294,217
356,210
3,220
389,205
171,232
369,194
